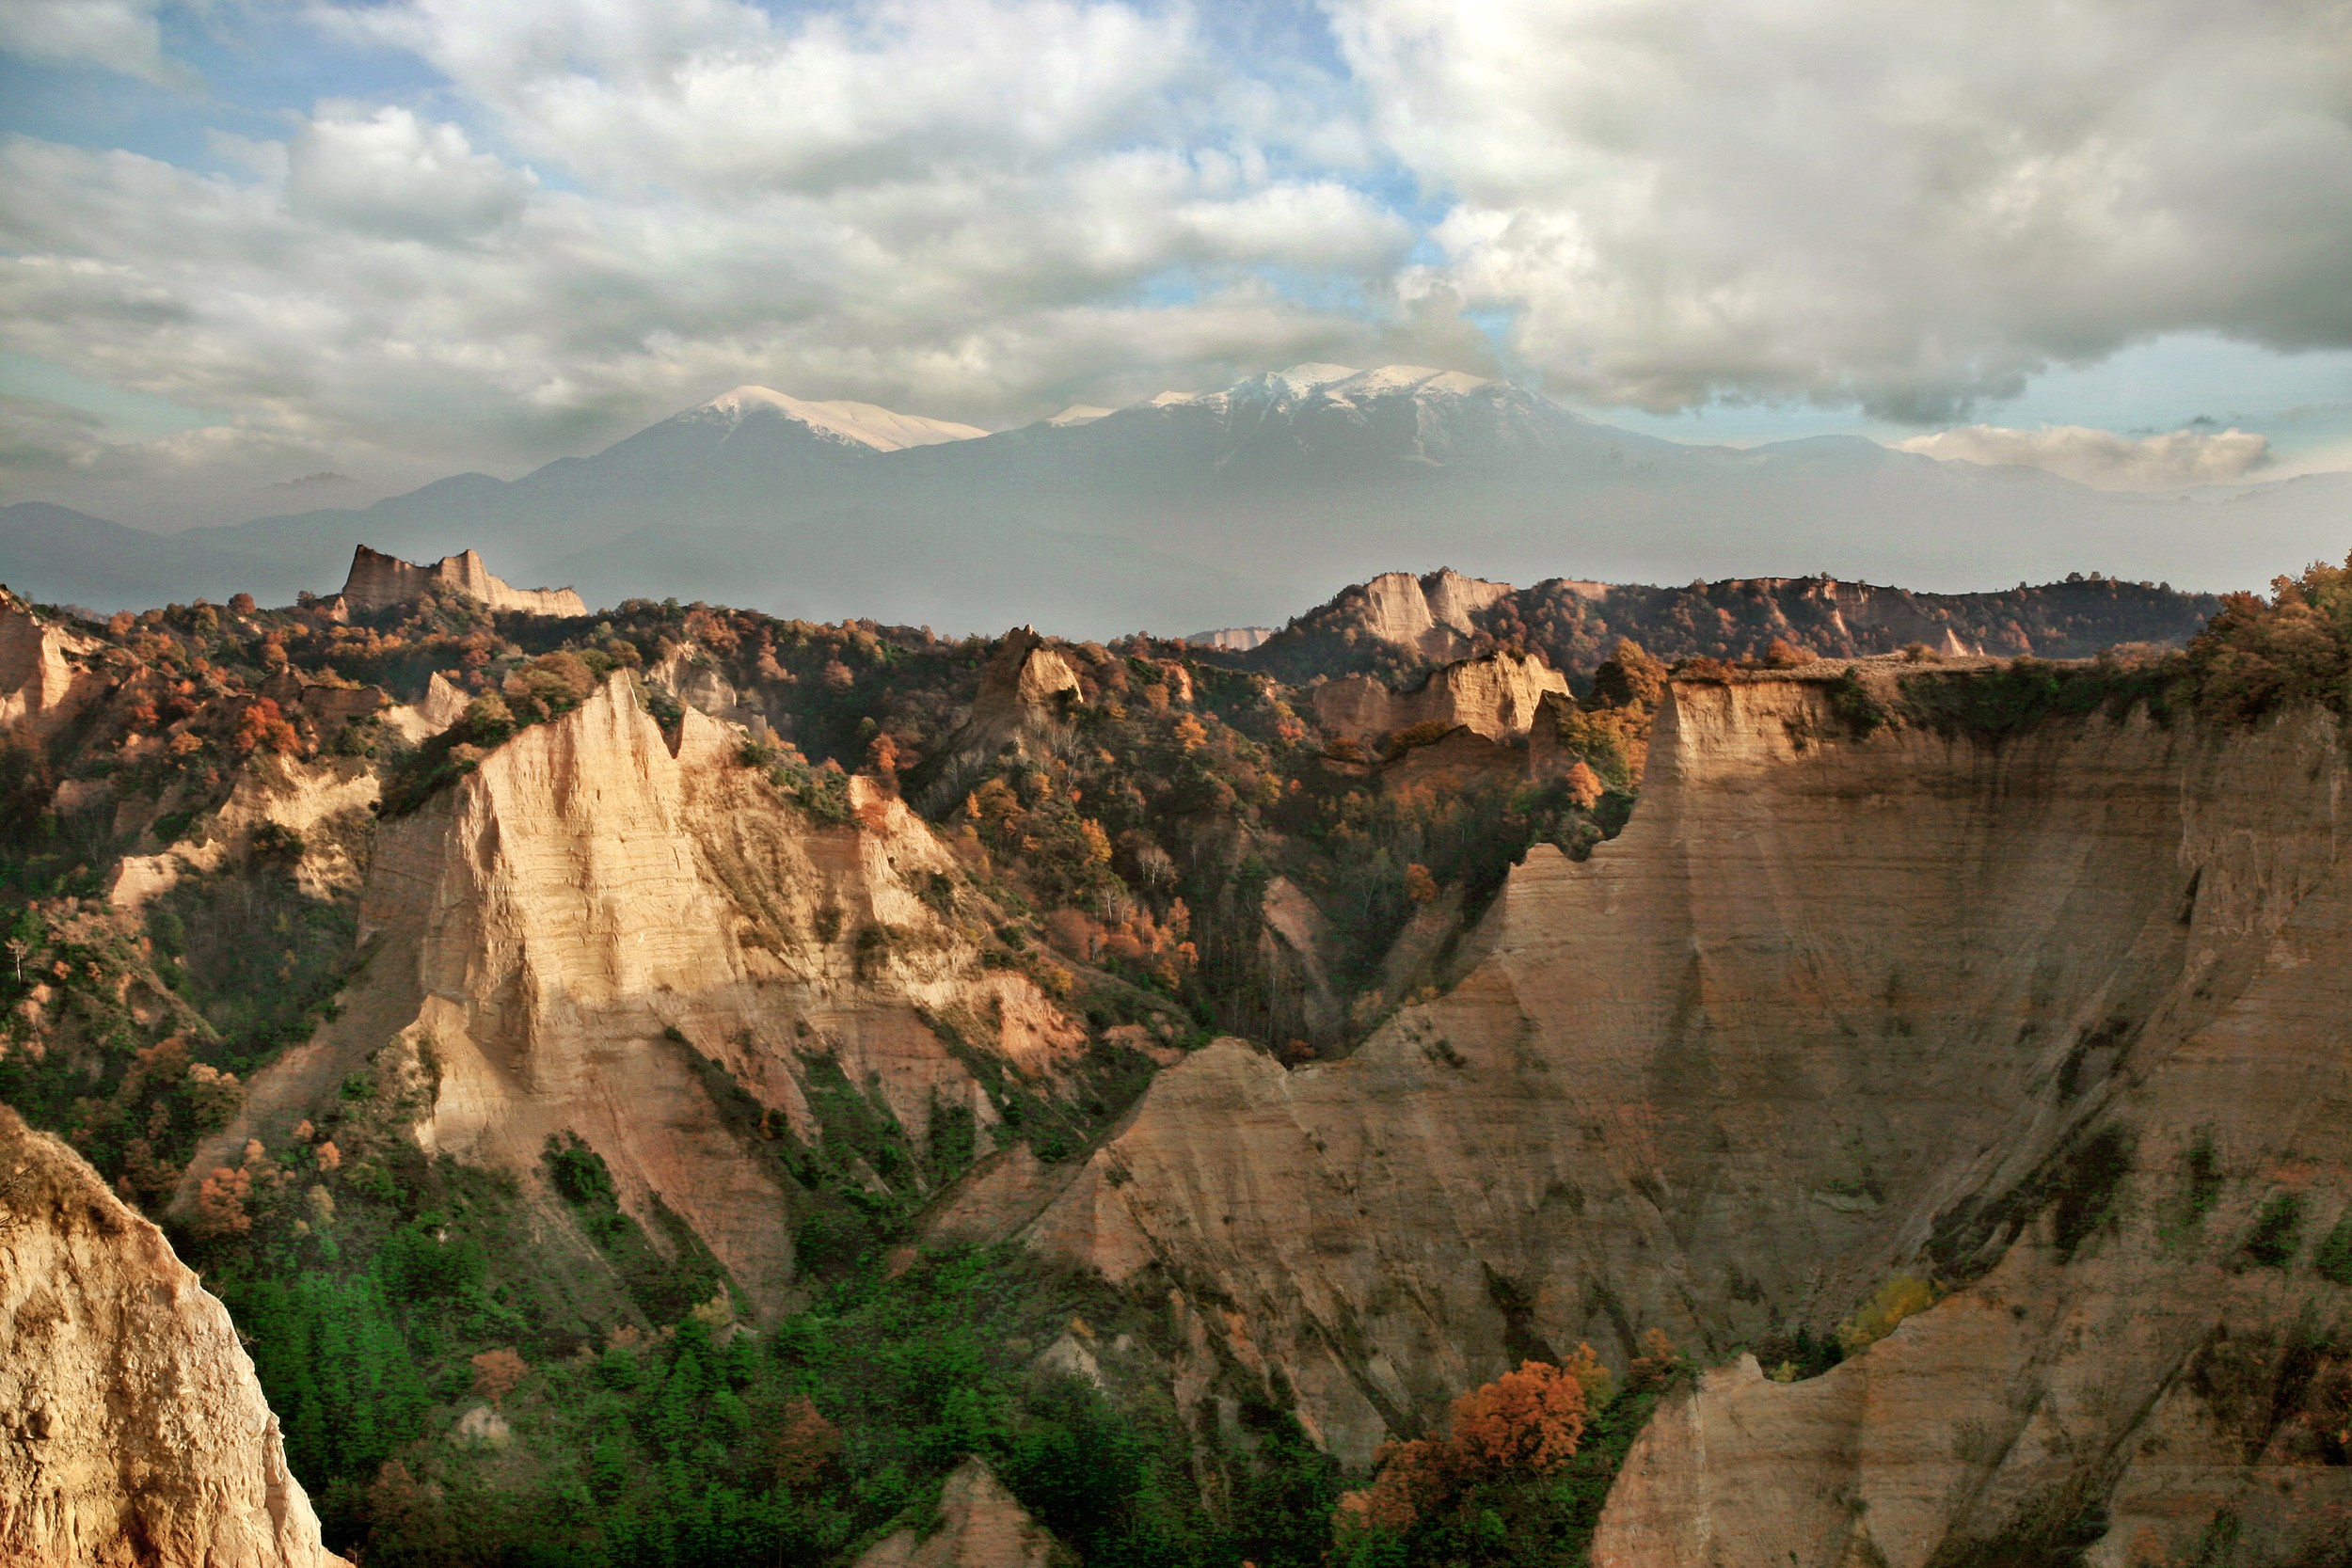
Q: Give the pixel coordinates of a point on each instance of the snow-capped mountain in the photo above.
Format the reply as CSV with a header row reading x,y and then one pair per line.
x,y
858,424
1197,508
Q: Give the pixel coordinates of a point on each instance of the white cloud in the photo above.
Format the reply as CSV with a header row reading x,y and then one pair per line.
x,y
2103,458
392,174
597,211
1910,203
120,34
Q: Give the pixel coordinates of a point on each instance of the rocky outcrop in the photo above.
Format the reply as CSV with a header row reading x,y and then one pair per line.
x,y
575,936
1433,615
379,582
45,668
1030,691
1232,639
131,1429
1830,1008
980,1525
1497,696
1028,688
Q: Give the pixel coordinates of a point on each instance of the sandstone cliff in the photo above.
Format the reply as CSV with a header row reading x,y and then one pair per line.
x,y
45,675
132,1430
572,937
379,582
1495,696
1831,1008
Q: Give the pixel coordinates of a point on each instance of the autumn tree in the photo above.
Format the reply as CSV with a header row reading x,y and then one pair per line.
x,y
497,1372
262,727
1525,1423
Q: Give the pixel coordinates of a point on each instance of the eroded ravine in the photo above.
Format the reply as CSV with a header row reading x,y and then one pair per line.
x,y
1831,1008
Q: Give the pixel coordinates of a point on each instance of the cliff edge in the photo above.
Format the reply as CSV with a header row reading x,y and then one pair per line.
x,y
132,1429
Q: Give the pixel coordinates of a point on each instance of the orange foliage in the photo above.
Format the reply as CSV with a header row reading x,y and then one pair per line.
x,y
1414,1479
1529,1420
1659,1359
1583,787
220,1203
263,728
1526,1423
1419,886
495,1373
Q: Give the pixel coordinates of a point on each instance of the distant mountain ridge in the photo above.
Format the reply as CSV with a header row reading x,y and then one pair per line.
x,y
1221,508
1396,623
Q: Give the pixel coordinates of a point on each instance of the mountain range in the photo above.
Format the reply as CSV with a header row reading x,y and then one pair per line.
x,y
1187,511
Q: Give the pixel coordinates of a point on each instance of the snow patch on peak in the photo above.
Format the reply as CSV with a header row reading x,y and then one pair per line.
x,y
1310,375
862,424
1165,400
1078,413
1404,378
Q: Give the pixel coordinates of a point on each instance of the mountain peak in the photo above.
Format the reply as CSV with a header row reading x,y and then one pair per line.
x,y
864,424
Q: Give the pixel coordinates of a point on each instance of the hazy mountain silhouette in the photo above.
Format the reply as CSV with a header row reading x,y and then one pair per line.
x,y
1187,511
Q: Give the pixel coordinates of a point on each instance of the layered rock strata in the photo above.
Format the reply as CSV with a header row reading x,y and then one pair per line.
x,y
131,1429
1829,1009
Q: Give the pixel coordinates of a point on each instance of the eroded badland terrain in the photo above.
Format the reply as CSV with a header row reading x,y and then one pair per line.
x,y
1768,1074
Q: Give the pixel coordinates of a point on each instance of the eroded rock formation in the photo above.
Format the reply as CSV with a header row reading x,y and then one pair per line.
x,y
573,935
1495,696
980,1526
1829,1009
132,1430
45,668
378,581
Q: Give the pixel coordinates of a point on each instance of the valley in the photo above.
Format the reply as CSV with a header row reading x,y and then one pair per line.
x,y
674,1084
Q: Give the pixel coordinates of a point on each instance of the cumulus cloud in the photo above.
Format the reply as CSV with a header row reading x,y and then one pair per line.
x,y
588,215
118,35
390,173
2103,459
1908,203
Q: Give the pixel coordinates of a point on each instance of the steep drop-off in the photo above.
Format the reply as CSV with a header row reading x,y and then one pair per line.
x,y
132,1430
1833,1008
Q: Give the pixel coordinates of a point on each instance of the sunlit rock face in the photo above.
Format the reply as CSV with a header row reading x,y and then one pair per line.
x,y
602,934
380,582
132,1429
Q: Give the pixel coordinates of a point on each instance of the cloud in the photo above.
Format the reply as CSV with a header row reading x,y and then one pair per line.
x,y
392,174
564,219
118,35
1906,203
2102,458
975,208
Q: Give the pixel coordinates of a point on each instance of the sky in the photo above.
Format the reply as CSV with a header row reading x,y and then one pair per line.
x,y
260,256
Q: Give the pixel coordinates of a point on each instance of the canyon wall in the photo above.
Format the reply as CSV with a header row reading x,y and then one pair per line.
x,y
1833,1008
132,1430
571,938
